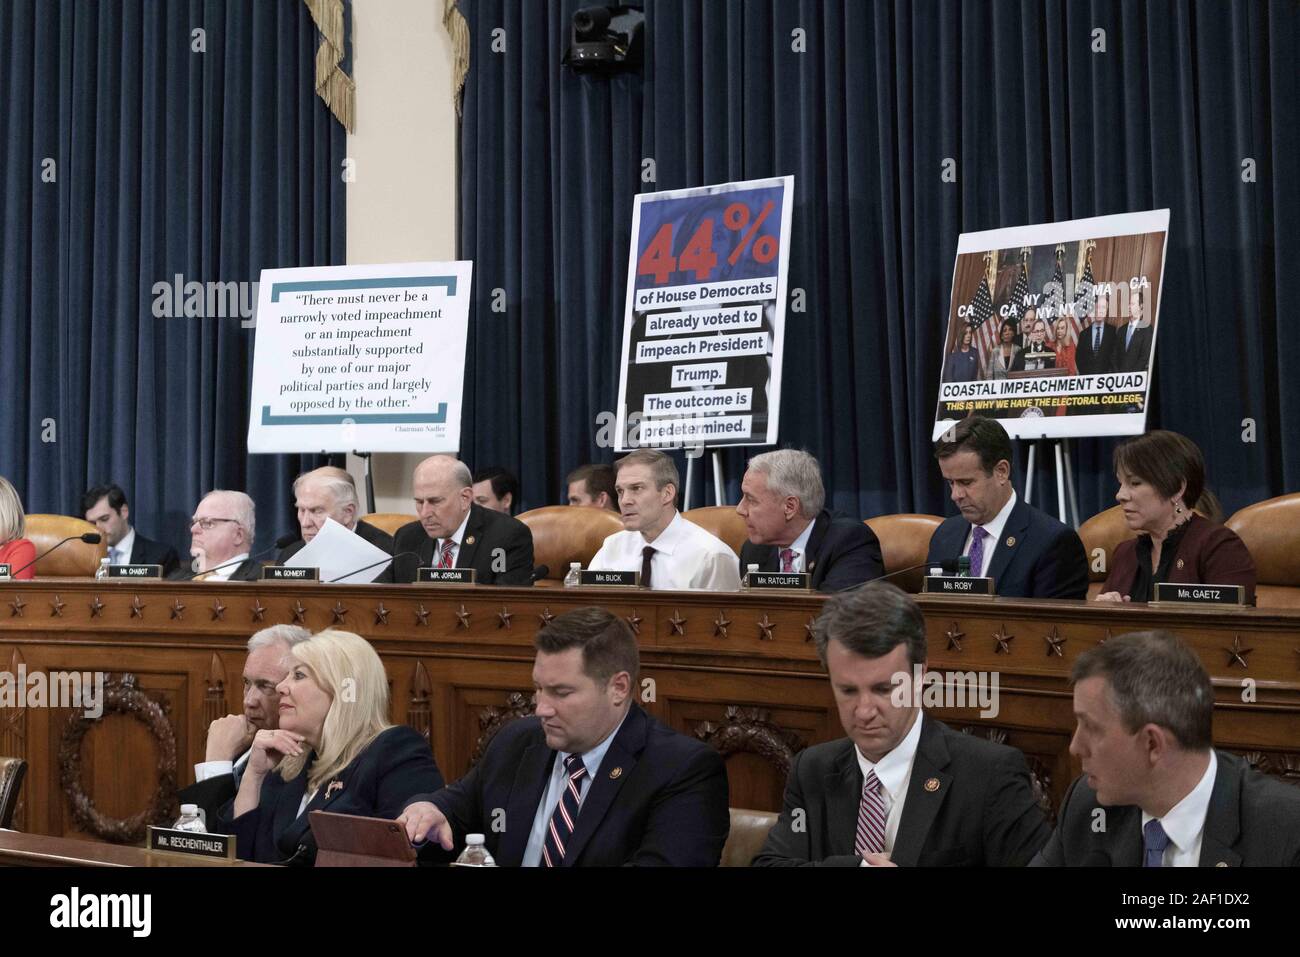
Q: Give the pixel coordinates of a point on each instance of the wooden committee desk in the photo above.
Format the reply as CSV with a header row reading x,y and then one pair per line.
x,y
736,670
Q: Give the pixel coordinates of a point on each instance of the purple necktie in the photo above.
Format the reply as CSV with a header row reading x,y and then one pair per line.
x,y
977,552
1154,842
870,837
787,559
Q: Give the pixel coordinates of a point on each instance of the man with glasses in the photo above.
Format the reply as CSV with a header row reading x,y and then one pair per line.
x,y
221,538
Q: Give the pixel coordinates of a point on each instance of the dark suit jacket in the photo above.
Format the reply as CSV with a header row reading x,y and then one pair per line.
x,y
379,783
375,536
982,813
668,806
486,532
145,551
1046,559
211,795
249,570
1138,353
1252,821
1103,360
842,552
1208,554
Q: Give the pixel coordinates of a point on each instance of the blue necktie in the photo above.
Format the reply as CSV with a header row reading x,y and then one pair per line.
x,y
560,828
1154,842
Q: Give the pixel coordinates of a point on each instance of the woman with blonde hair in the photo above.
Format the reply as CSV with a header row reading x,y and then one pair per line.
x,y
334,750
15,550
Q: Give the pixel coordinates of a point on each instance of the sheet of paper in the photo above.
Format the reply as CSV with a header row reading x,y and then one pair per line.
x,y
336,552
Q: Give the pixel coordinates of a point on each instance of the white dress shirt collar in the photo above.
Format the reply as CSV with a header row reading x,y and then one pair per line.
x,y
670,537
123,548
231,566
1185,821
994,528
894,770
800,548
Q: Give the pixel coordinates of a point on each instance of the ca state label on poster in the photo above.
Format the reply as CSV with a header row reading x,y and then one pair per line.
x,y
705,318
1052,328
370,358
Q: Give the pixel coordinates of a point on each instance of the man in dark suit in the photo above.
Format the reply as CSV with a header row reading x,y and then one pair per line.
x,y
106,508
789,530
902,788
453,532
1154,792
1133,341
330,492
216,779
1027,553
1094,354
591,780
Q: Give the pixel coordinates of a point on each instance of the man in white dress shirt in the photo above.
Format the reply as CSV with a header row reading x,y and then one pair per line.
x,y
216,778
221,537
1154,791
671,553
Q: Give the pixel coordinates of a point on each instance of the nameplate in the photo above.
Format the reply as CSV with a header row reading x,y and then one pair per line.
x,y
956,585
600,579
4,572
784,581
288,573
219,847
445,576
1200,594
135,571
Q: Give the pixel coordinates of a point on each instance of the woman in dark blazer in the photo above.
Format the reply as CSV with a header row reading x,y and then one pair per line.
x,y
963,363
334,751
1159,474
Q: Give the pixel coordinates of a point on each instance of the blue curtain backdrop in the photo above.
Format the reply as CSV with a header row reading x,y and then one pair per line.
x,y
863,102
136,150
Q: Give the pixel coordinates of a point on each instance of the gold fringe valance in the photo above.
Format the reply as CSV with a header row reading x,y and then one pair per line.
x,y
336,88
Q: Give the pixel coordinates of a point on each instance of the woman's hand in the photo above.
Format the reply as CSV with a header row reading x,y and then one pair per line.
x,y
270,748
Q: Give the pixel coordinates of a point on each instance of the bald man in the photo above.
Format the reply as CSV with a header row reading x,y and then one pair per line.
x,y
454,532
330,492
221,538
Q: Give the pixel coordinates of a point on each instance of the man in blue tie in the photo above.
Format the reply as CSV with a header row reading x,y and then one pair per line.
x,y
1133,348
1154,792
1095,354
1027,553
591,779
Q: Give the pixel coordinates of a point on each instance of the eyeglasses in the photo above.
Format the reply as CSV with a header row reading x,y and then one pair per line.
x,y
207,523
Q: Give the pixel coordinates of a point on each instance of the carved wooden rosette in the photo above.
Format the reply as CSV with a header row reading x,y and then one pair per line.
x,y
518,704
121,696
751,730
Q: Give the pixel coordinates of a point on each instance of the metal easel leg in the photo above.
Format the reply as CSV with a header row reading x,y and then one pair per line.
x,y
1029,473
719,486
1069,486
1060,485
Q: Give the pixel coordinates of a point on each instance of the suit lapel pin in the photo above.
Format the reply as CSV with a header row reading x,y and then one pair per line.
x,y
333,786
1011,541
470,540
1179,564
932,784
615,774
812,565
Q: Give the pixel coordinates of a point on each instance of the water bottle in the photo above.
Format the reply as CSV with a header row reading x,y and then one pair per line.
x,y
749,570
192,818
574,576
102,570
475,854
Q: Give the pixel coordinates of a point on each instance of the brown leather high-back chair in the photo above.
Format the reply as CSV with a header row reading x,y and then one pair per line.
x,y
722,522
904,542
1271,531
388,522
746,837
568,533
1104,531
74,559
12,772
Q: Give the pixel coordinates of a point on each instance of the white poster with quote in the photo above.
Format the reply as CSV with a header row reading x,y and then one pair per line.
x,y
366,358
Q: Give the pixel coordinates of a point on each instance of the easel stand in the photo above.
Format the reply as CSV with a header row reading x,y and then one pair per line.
x,y
1065,494
719,485
370,481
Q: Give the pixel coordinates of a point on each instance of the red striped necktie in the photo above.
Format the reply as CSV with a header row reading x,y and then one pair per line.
x,y
871,818
445,560
560,827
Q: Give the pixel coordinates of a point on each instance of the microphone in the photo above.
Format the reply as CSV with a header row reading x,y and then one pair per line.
x,y
366,568
540,572
90,538
950,565
284,541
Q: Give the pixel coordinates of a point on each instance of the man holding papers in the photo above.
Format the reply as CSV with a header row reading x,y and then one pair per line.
x,y
330,492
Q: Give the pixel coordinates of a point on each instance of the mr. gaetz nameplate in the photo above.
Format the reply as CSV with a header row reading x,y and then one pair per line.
x,y
289,573
219,847
786,581
445,576
609,578
957,585
1200,594
135,571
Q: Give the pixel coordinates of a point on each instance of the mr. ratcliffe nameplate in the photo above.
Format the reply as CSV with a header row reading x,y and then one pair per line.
x,y
957,585
784,581
1200,594
445,576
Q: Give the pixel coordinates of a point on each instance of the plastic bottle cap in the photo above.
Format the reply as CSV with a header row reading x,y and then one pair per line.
x,y
752,569
474,839
575,565
190,809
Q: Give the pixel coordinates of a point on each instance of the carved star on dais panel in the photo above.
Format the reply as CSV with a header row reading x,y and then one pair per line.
x,y
96,608
1237,654
954,636
720,625
1055,643
462,618
503,617
546,617
137,607
259,610
765,628
1003,641
299,613
17,606
421,616
678,623
634,622
808,628
339,612
381,614
178,610
57,606
218,610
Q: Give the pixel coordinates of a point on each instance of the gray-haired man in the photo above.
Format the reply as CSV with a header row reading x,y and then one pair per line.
x,y
216,778
782,503
330,492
